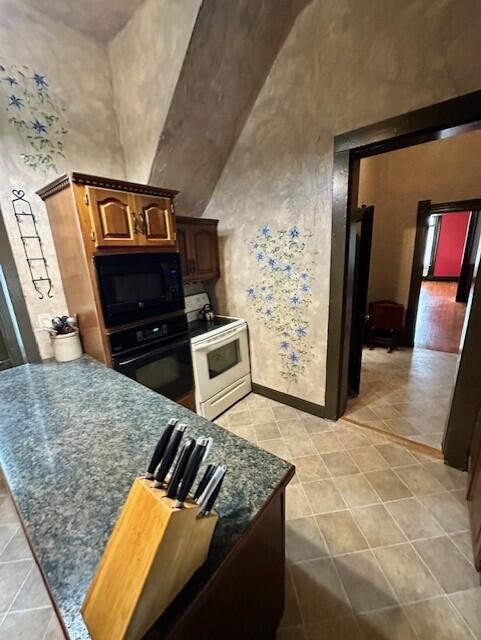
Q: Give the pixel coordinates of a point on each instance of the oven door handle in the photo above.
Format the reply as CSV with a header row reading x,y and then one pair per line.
x,y
224,338
149,355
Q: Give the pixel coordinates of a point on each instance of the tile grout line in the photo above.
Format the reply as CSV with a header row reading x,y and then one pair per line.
x,y
45,606
10,539
298,600
331,556
460,614
383,546
48,624
341,582
17,592
408,542
449,535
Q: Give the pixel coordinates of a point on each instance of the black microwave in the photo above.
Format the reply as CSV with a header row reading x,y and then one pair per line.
x,y
137,286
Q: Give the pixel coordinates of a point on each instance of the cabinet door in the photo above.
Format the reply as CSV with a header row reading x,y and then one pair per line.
x,y
184,245
204,251
156,220
112,218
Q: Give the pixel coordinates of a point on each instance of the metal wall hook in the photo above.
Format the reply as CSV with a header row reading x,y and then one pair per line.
x,y
19,203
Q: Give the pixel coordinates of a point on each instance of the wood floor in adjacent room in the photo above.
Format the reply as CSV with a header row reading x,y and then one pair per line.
x,y
440,318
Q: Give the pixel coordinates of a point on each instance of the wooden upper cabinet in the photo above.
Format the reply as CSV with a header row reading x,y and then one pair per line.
x,y
118,214
204,251
182,243
198,246
112,218
156,221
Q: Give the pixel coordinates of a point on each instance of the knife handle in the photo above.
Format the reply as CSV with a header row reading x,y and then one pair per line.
x,y
212,498
216,476
190,474
169,455
160,448
205,479
179,467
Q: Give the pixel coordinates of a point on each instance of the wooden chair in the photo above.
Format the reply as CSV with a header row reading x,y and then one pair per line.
x,y
385,324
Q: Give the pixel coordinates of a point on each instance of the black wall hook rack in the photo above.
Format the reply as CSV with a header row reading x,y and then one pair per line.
x,y
32,244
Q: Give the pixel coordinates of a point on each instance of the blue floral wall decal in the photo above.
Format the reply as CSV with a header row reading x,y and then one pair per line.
x,y
36,117
282,293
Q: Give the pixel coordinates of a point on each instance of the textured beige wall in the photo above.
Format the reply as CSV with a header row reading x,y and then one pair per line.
x,y
78,77
441,171
345,64
98,19
146,58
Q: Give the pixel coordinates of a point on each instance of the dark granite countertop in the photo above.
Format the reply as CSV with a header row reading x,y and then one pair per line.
x,y
72,439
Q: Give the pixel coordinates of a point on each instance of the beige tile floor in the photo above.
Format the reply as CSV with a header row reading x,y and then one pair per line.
x,y
26,611
378,546
406,392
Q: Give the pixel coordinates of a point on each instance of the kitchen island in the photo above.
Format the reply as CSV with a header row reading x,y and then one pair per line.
x,y
74,436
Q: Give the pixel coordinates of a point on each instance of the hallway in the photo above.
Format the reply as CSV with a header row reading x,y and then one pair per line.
x,y
440,318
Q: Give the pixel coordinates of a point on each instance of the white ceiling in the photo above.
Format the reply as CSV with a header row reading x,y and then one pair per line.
x,y
99,19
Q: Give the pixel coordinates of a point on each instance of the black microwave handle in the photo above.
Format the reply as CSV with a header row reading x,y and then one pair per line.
x,y
148,354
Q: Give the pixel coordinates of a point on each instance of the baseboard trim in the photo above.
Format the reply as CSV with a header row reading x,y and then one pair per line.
x,y
441,278
304,405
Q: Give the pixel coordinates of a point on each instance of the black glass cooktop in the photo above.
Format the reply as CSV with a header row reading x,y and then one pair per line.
x,y
198,327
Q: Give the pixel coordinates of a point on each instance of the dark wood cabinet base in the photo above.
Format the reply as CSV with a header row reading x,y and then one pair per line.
x,y
188,401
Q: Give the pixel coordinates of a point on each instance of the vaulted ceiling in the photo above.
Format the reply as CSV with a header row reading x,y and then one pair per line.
x,y
98,19
231,52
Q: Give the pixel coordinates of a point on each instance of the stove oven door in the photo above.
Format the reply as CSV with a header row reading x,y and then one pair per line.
x,y
166,369
220,361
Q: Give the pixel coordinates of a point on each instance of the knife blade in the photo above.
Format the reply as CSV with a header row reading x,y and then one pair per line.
x,y
205,479
179,467
160,448
212,484
169,454
206,508
191,471
208,447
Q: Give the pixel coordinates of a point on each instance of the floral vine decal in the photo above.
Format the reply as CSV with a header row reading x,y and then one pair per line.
x,y
39,122
282,295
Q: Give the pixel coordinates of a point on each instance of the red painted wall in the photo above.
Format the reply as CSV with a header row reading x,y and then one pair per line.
x,y
452,236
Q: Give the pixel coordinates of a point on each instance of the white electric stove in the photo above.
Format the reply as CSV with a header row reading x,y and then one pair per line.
x,y
220,357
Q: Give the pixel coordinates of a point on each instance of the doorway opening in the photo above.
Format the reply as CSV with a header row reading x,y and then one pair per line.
x,y
438,123
416,310
448,237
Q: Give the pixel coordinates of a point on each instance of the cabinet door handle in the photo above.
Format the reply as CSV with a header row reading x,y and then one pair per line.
x,y
192,265
134,222
142,223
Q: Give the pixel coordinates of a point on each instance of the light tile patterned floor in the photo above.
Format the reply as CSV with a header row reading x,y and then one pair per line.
x,y
26,611
406,392
378,546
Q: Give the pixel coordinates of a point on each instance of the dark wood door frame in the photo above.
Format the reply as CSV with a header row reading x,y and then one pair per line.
x,y
467,265
434,249
425,209
449,118
365,217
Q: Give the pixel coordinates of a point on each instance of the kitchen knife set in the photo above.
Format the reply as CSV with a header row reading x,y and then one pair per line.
x,y
179,478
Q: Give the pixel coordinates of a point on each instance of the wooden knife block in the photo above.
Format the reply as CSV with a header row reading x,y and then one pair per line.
x,y
153,550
